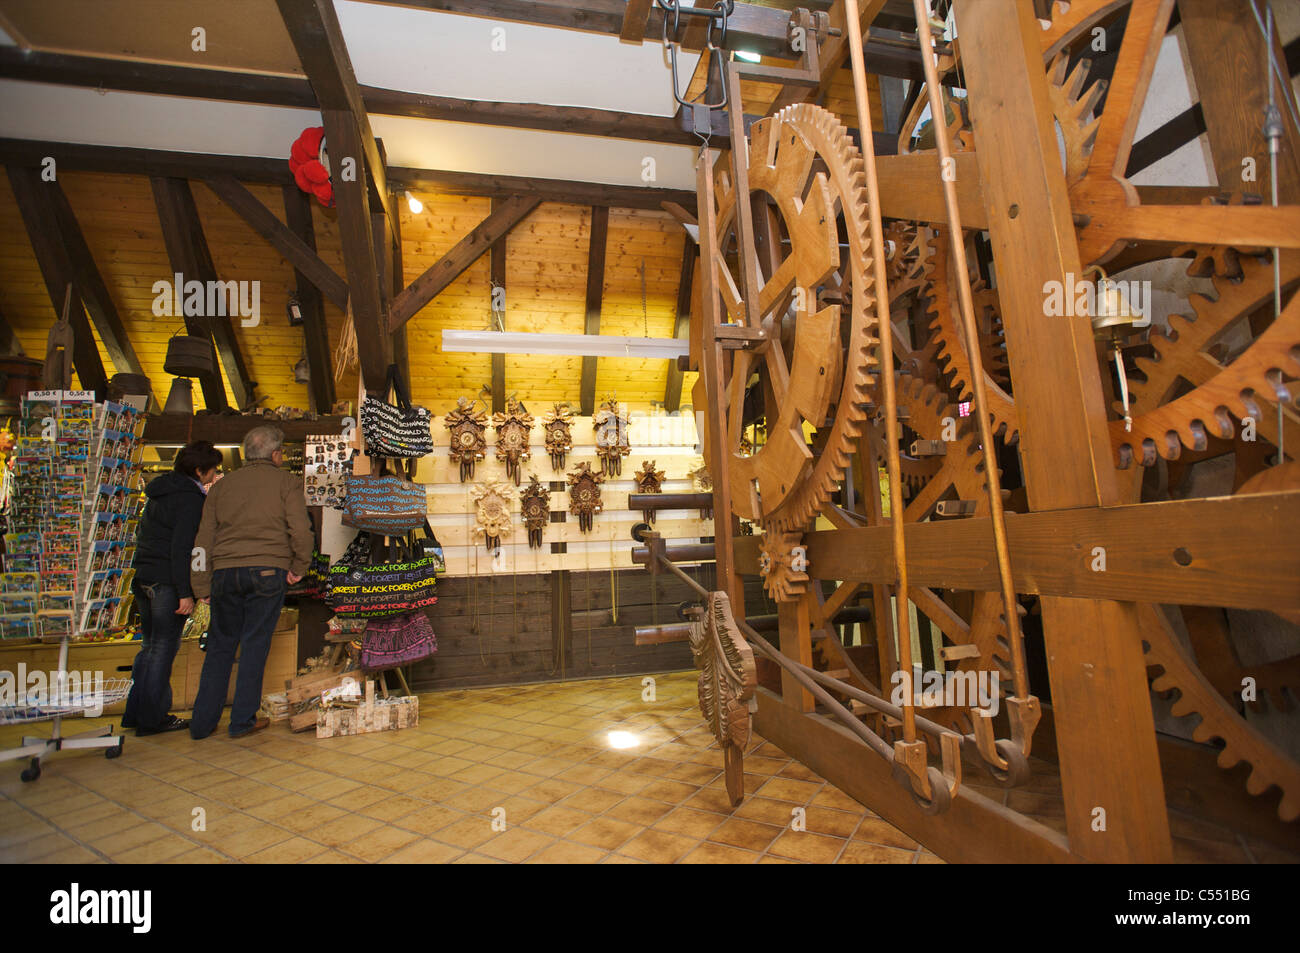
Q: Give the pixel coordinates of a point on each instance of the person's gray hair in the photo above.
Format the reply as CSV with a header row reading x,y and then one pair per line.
x,y
261,442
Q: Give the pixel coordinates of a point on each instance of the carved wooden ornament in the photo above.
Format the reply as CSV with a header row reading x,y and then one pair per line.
x,y
468,436
491,512
513,426
649,480
559,439
610,425
535,505
703,483
584,495
727,680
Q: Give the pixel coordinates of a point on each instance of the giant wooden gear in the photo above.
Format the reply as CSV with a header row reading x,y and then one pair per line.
x,y
973,453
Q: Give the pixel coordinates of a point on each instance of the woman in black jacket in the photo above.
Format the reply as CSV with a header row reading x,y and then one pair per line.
x,y
162,582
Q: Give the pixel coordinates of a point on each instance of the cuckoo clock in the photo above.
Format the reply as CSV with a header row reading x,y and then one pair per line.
x,y
703,483
513,427
535,505
491,512
468,436
584,495
649,480
611,436
559,438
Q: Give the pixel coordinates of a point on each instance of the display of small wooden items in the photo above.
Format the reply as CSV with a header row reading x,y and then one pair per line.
x,y
649,480
491,512
558,426
584,495
341,715
513,426
610,425
535,505
468,436
703,483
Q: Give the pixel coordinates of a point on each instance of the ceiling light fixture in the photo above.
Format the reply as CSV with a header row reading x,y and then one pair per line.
x,y
572,345
748,57
414,204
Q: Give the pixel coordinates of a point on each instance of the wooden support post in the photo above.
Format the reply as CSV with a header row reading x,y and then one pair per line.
x,y
401,353
595,293
796,643
682,325
187,249
315,332
1099,687
497,287
37,207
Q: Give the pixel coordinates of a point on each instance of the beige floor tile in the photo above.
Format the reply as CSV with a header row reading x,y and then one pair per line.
x,y
690,823
639,810
307,819
433,817
873,830
606,832
344,830
592,800
75,854
515,845
557,821
35,849
788,789
860,852
160,851
199,855
567,852
711,853
424,852
133,837
808,847
392,807
476,800
295,850
751,835
659,847
378,844
251,840
467,833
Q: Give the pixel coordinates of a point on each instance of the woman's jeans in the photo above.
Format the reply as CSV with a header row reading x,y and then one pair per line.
x,y
151,690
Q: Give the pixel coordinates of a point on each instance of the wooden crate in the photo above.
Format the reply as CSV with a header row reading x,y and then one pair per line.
x,y
392,713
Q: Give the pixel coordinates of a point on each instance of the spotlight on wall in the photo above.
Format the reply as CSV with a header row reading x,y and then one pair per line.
x,y
414,204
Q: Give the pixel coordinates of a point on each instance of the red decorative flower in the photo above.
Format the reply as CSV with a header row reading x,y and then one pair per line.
x,y
308,171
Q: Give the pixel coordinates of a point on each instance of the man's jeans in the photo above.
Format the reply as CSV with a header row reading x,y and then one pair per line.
x,y
160,626
246,604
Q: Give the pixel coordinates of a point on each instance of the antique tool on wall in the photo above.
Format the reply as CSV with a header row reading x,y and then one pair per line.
x,y
513,426
649,480
57,374
535,508
491,512
610,424
558,425
468,436
584,495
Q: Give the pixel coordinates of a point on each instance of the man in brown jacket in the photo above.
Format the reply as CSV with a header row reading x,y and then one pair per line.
x,y
254,541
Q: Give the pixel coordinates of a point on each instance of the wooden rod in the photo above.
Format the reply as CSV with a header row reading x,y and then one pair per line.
x,y
853,24
682,552
971,334
669,501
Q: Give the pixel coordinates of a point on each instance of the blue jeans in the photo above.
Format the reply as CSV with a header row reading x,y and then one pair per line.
x,y
160,626
246,603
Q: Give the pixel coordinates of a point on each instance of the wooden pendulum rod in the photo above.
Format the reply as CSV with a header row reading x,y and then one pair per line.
x,y
910,753
1022,709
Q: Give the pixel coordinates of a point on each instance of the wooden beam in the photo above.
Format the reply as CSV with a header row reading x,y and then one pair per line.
x,y
634,20
547,190
397,282
909,188
10,346
833,54
595,294
315,331
1095,661
1140,541
463,254
187,249
303,257
314,28
1166,139
497,280
682,324
94,292
178,430
374,340
36,206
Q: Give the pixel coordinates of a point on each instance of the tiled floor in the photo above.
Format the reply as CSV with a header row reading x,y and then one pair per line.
x,y
537,758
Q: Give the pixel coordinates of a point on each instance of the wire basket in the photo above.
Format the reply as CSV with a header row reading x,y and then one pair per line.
x,y
61,703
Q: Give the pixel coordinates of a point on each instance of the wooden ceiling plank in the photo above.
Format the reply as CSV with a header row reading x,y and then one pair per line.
x,y
463,254
315,332
595,295
187,250
681,325
41,221
303,258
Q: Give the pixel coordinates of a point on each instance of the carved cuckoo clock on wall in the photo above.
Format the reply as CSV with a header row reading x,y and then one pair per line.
x,y
558,426
535,506
649,480
513,426
703,483
610,425
468,436
491,512
584,496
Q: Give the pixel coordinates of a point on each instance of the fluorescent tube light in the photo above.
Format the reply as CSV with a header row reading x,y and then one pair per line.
x,y
575,345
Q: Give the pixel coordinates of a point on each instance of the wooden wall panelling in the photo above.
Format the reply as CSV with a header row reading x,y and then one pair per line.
x,y
1098,678
687,294
315,333
39,215
595,294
